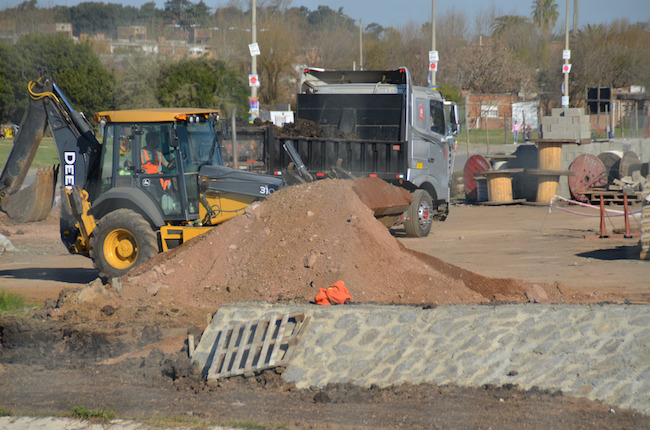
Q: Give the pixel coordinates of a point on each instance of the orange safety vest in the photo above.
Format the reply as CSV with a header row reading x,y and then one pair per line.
x,y
335,294
155,167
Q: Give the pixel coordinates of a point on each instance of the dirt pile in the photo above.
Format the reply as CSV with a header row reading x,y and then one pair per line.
x,y
306,128
286,248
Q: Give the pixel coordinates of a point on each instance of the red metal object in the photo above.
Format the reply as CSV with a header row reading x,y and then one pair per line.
x,y
627,219
603,230
588,172
602,218
475,164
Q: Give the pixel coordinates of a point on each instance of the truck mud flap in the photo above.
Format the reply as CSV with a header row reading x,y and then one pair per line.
x,y
34,202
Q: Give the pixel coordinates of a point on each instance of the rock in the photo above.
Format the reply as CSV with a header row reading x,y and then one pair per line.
x,y
5,244
536,294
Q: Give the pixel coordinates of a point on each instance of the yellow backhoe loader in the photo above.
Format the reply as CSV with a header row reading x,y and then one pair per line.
x,y
156,180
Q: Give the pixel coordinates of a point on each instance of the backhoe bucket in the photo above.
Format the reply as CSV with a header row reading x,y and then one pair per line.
x,y
34,202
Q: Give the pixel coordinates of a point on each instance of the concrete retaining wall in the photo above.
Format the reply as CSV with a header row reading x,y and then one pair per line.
x,y
598,352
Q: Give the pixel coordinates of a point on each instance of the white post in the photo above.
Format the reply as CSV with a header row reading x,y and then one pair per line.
x,y
565,99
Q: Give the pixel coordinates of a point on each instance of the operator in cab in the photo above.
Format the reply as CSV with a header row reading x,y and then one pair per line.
x,y
153,160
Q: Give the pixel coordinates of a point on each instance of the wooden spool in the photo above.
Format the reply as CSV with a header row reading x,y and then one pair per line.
x,y
588,172
630,163
499,185
481,189
612,162
475,164
550,155
547,186
499,188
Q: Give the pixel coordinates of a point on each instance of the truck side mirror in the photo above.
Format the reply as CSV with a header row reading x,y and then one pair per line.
x,y
453,119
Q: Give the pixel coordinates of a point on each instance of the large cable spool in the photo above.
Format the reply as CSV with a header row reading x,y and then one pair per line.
x,y
475,164
612,162
630,163
588,172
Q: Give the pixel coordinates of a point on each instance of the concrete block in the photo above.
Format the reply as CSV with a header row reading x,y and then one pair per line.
x,y
572,112
548,120
558,128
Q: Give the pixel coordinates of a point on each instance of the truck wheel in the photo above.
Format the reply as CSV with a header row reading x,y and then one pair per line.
x,y
121,240
419,215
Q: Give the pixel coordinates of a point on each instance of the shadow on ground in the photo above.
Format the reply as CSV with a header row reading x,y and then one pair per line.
x,y
610,254
68,275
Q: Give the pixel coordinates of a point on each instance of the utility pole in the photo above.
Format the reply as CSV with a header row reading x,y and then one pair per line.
x,y
575,16
360,44
254,57
433,39
565,99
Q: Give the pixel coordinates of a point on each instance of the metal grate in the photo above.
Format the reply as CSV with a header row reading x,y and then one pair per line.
x,y
255,345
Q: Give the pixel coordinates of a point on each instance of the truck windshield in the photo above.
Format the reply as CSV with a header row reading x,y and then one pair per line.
x,y
199,144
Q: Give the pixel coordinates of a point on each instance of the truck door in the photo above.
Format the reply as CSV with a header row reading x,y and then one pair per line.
x,y
419,142
438,152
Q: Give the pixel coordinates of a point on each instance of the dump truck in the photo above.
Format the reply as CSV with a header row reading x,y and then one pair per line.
x,y
376,124
155,181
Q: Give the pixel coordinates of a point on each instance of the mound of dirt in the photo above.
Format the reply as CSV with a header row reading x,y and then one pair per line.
x,y
300,239
307,128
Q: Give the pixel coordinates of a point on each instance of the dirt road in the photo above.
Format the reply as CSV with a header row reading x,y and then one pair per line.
x,y
49,364
538,245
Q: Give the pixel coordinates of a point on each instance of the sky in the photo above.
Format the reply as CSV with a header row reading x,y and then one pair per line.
x,y
395,13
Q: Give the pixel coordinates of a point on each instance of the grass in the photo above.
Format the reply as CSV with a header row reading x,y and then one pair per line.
x,y
12,302
97,416
46,155
5,413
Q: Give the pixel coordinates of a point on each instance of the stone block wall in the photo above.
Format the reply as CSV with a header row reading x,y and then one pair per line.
x,y
570,123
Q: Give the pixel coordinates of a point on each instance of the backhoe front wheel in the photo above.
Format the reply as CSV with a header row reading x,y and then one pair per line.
x,y
122,239
419,215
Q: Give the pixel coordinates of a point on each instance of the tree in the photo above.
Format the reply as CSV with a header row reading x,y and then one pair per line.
x,y
134,88
279,48
617,55
77,68
519,36
545,14
491,69
203,83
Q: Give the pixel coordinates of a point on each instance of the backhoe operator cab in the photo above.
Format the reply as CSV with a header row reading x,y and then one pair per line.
x,y
155,181
154,155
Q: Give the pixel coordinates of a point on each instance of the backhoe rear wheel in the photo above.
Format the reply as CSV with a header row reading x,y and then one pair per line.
x,y
123,239
419,215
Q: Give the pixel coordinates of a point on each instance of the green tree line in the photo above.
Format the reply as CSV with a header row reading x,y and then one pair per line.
x,y
491,53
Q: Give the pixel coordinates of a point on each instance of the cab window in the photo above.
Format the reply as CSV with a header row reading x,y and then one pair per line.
x,y
437,116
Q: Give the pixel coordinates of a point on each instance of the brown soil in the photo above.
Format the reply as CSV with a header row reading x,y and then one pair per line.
x,y
89,345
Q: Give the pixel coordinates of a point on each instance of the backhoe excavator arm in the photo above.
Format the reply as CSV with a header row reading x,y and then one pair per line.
x,y
78,151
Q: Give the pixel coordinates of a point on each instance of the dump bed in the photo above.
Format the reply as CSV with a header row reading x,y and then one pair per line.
x,y
361,119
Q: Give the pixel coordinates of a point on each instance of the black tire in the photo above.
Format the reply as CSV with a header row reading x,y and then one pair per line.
x,y
419,215
122,239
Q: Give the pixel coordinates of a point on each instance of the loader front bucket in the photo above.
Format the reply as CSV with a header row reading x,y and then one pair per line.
x,y
34,202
